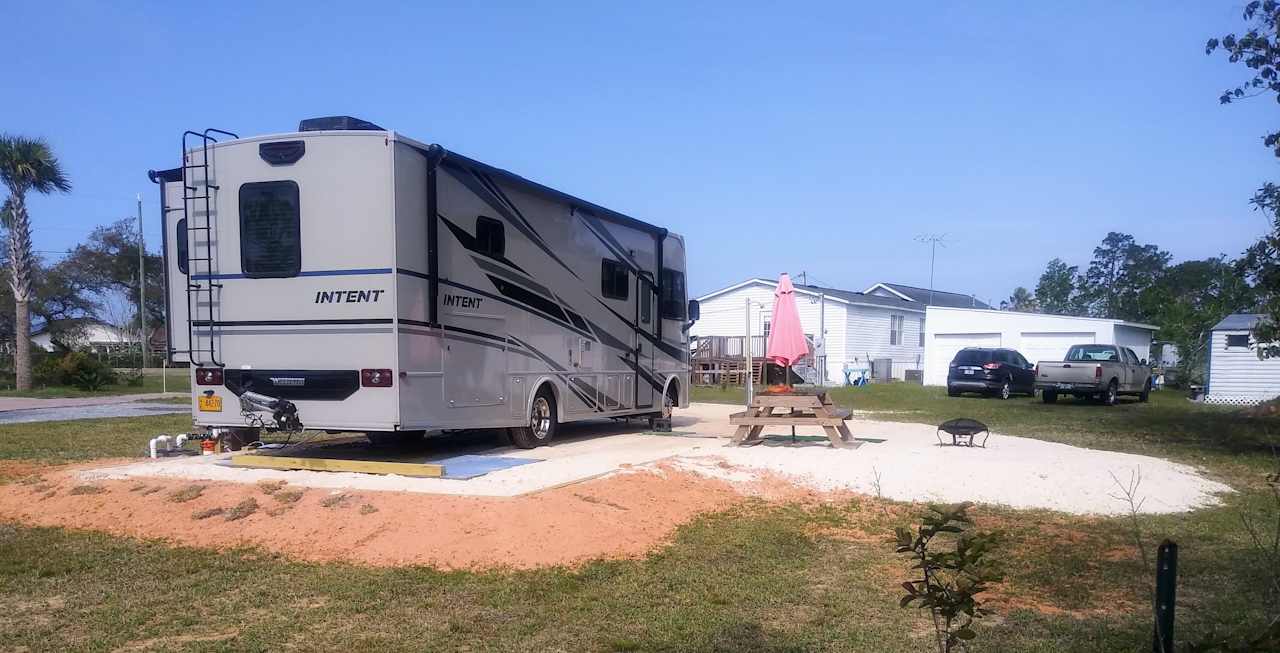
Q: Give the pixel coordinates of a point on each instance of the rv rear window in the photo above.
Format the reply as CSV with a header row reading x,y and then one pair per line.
x,y
180,240
270,231
673,305
614,281
490,238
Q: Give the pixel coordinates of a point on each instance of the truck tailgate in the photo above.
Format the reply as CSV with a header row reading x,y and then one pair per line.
x,y
1062,372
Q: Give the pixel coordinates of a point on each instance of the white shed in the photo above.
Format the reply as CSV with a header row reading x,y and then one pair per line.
x,y
1036,335
1236,374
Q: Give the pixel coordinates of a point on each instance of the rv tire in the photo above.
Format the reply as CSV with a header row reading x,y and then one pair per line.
x,y
542,425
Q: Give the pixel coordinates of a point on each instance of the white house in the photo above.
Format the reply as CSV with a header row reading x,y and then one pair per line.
x,y
82,334
885,321
1236,374
1035,335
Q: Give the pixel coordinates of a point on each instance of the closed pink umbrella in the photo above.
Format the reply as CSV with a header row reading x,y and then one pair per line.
x,y
786,337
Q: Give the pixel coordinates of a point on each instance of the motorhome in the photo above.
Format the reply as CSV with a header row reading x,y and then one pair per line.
x,y
347,278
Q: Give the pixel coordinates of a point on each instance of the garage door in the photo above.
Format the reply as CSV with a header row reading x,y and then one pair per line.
x,y
1052,345
943,348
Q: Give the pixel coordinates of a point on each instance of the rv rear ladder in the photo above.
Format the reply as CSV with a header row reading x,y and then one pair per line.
x,y
198,207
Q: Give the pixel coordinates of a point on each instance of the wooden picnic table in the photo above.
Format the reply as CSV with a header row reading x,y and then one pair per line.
x,y
801,408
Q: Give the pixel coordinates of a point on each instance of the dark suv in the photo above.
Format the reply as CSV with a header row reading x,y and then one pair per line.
x,y
999,372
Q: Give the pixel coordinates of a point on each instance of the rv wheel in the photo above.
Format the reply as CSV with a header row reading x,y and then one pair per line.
x,y
669,402
542,422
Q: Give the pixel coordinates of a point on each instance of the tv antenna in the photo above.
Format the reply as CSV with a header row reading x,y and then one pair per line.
x,y
933,240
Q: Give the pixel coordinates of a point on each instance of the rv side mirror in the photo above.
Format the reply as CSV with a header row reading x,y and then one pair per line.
x,y
1144,361
695,310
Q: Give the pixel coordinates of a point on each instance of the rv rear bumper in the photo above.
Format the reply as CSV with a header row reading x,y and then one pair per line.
x,y
295,385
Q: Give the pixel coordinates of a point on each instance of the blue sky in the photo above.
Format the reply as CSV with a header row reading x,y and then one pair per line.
x,y
1023,130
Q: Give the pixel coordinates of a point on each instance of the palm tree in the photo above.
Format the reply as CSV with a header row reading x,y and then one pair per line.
x,y
26,164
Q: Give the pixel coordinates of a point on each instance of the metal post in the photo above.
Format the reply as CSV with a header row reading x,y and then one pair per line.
x,y
1166,587
746,351
822,338
142,286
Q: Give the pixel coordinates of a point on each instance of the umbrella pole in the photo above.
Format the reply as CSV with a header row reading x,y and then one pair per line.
x,y
787,372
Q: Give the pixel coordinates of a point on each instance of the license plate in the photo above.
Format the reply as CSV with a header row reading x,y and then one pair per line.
x,y
1063,386
211,404
969,372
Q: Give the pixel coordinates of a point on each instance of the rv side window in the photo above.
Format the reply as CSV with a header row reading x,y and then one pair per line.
x,y
270,232
181,245
613,279
673,306
491,240
646,303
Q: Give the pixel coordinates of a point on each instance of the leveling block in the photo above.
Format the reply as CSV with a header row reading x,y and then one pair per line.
x,y
259,461
456,468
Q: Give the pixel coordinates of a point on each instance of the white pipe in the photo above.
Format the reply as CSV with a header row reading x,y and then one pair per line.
x,y
180,441
155,444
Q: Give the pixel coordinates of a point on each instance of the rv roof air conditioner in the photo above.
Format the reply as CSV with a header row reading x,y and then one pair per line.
x,y
337,123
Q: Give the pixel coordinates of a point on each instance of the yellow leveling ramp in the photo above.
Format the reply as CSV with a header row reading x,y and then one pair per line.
x,y
337,465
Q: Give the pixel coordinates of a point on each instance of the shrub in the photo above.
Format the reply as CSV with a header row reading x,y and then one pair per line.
x,y
133,378
951,577
81,369
242,510
186,493
48,371
205,514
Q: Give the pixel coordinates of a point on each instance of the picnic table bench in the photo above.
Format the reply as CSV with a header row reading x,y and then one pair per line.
x,y
802,408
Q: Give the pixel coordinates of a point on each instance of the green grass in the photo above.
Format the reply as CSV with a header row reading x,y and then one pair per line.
x,y
153,380
755,578
751,579
76,440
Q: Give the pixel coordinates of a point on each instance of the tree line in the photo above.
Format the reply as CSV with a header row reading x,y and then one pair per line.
x,y
1128,280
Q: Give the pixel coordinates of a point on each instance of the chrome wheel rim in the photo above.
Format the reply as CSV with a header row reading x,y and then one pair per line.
x,y
1004,390
540,418
1111,395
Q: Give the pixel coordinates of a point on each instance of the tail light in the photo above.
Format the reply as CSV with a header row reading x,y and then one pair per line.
x,y
1097,372
375,378
991,366
208,376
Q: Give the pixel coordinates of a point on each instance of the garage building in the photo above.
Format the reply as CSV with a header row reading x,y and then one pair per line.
x,y
1036,335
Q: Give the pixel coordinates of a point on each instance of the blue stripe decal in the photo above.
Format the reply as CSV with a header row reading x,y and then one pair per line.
x,y
310,273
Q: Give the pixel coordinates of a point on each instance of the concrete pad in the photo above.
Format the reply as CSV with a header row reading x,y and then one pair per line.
x,y
908,465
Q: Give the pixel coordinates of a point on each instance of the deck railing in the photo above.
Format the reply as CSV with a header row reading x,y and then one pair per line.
x,y
713,347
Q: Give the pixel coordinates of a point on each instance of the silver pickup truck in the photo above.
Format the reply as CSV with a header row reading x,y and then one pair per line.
x,y
1099,371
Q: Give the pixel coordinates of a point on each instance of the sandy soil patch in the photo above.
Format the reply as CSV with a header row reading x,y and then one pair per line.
x,y
617,517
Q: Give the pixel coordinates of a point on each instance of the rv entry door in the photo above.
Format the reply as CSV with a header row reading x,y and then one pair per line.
x,y
646,330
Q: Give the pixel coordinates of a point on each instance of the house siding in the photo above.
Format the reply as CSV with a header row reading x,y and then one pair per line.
x,y
724,315
868,339
854,331
1237,375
